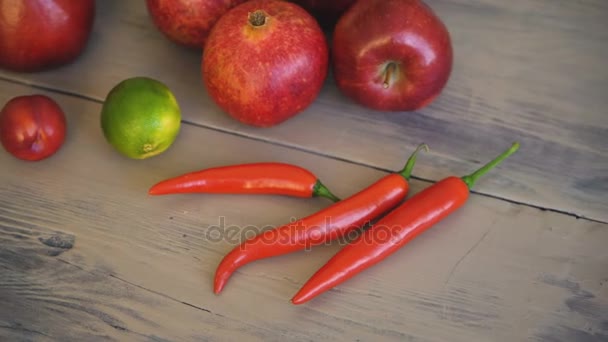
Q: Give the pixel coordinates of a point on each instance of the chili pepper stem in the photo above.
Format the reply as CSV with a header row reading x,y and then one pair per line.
x,y
322,191
472,178
406,172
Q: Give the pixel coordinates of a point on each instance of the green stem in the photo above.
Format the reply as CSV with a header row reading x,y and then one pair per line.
x,y
406,172
472,178
320,190
389,73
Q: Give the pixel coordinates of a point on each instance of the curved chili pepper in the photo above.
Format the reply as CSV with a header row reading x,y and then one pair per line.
x,y
330,223
254,178
393,231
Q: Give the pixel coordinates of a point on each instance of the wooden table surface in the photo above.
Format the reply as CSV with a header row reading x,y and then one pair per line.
x,y
526,259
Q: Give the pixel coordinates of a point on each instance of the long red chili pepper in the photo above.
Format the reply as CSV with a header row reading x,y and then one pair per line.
x,y
254,178
330,223
393,231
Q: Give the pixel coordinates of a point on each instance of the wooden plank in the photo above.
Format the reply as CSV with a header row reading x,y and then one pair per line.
x,y
141,268
48,298
531,71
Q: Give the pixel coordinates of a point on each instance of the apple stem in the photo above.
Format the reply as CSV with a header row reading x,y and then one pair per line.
x,y
390,69
257,18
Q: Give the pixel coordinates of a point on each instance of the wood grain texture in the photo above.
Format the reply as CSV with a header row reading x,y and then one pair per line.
x,y
524,70
85,254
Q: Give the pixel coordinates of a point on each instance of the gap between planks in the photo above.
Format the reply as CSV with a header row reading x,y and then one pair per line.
x,y
143,288
299,148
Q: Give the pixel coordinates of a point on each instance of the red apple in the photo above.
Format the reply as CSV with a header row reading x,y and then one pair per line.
x,y
265,61
391,55
188,22
32,127
326,12
41,34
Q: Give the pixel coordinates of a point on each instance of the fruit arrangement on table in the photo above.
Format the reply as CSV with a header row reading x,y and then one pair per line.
x,y
262,62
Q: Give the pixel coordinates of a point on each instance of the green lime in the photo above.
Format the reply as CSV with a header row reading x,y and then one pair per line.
x,y
140,117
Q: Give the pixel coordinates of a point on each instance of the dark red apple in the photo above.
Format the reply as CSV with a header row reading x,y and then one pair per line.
x,y
324,6
32,127
265,61
391,55
188,22
41,34
326,12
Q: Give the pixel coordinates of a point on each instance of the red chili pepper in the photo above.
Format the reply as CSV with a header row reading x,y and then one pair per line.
x,y
330,223
393,231
255,178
